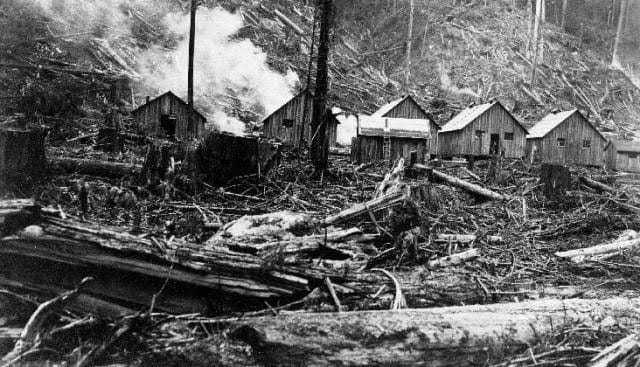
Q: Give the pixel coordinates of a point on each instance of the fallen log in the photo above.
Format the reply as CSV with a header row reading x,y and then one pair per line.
x,y
579,255
473,188
618,352
289,22
448,336
596,185
130,270
93,167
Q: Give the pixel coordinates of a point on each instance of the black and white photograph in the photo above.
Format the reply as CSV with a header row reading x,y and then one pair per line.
x,y
319,183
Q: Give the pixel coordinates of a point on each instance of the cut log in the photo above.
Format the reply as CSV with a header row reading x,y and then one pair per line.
x,y
449,336
289,22
22,158
467,186
617,352
93,167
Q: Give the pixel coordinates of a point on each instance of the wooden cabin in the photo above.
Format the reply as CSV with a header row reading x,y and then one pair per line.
x,y
388,139
408,108
289,121
623,155
483,130
167,116
568,138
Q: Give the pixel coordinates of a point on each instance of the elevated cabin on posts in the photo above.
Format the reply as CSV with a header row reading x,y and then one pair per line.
x,y
483,130
407,107
623,155
167,116
568,138
293,119
383,138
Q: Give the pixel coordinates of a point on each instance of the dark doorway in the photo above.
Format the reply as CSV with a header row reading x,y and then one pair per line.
x,y
168,125
494,144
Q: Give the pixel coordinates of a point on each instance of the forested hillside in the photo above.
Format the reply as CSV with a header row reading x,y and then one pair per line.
x,y
60,57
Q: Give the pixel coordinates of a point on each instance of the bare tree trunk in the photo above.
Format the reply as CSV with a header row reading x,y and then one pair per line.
x,y
192,40
564,14
319,142
409,38
534,42
426,30
310,67
531,21
615,62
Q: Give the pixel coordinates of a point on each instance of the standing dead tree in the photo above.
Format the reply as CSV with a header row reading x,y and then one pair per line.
x,y
319,141
408,51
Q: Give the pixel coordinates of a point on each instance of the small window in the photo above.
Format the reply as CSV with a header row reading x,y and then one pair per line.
x,y
633,155
479,134
287,122
561,142
508,136
586,144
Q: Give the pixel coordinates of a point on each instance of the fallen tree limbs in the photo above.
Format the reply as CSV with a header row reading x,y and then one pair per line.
x,y
448,336
379,203
454,259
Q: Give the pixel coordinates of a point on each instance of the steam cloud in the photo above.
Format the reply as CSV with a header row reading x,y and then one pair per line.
x,y
230,74
447,84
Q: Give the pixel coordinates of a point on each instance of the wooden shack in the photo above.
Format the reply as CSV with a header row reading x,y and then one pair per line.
x,y
382,138
566,137
623,155
290,120
408,108
167,116
483,130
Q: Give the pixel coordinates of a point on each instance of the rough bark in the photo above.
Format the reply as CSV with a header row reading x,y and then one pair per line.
x,y
319,139
22,158
449,336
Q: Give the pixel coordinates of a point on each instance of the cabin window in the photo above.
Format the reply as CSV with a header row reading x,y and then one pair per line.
x,y
287,122
586,144
508,136
562,142
633,155
479,134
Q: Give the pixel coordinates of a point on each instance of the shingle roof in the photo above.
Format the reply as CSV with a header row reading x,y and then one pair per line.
x,y
395,127
548,123
631,146
465,117
304,91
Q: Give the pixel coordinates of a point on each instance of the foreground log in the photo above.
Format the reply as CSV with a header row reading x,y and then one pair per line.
x,y
93,167
22,158
131,270
596,185
449,336
379,203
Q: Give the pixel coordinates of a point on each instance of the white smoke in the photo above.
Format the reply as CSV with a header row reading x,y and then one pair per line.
x,y
230,75
224,67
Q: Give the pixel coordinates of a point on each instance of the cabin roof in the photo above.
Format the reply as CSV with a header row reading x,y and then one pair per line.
x,y
304,91
173,96
468,115
622,146
394,127
553,120
393,104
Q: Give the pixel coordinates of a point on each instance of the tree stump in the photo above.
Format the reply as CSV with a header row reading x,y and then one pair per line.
x,y
555,179
22,158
